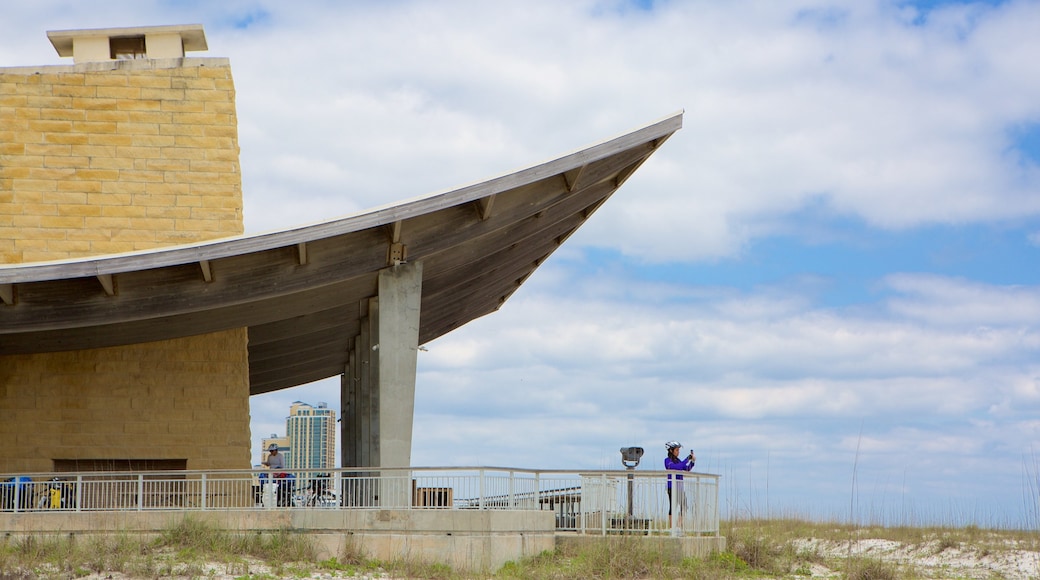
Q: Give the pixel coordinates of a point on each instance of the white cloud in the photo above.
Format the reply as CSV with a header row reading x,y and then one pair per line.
x,y
935,299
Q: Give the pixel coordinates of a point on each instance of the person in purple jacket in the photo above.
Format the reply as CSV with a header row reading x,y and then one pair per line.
x,y
672,462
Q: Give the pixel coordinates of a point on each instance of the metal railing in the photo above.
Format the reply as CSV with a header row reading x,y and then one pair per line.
x,y
592,502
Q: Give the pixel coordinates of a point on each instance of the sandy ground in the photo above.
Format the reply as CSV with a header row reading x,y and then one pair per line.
x,y
930,560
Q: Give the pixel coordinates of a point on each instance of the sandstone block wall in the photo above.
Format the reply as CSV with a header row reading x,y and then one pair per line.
x,y
114,157
102,158
177,399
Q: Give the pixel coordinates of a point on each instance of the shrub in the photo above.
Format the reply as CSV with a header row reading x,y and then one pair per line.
x,y
871,569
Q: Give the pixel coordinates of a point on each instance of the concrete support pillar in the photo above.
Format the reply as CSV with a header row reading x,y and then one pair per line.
x,y
378,385
400,294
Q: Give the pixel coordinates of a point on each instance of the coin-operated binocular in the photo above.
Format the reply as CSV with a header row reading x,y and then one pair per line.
x,y
630,456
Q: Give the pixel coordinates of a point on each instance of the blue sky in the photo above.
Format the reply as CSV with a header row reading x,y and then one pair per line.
x,y
827,283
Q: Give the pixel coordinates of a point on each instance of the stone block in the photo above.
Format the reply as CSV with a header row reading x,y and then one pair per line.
x,y
150,116
58,173
129,211
153,140
13,101
139,128
189,200
73,160
175,106
172,213
94,104
141,175
75,91
63,114
229,131
49,125
164,164
61,222
148,81
222,154
206,118
110,140
13,124
66,138
98,174
35,184
53,149
139,105
97,127
139,152
49,102
102,79
25,221
80,210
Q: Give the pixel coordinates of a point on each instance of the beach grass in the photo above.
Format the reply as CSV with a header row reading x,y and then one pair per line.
x,y
756,548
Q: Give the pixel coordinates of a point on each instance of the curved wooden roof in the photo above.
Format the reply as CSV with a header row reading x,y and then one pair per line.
x,y
299,290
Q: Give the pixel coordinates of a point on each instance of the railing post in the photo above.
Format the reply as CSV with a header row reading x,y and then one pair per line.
x,y
538,490
202,500
407,483
581,505
338,489
79,492
140,491
481,473
512,491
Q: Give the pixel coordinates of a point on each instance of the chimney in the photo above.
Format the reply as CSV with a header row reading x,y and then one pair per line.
x,y
107,44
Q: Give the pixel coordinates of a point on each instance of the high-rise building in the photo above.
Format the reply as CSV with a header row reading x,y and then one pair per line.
x,y
312,435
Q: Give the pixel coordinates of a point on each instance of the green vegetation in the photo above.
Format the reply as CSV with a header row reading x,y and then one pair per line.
x,y
757,549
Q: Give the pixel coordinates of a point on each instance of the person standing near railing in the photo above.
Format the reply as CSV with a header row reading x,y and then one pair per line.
x,y
276,463
673,463
274,460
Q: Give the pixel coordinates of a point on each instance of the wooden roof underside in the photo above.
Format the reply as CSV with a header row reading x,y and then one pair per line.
x,y
299,291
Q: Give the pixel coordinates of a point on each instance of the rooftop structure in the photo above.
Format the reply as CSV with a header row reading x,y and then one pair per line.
x,y
104,44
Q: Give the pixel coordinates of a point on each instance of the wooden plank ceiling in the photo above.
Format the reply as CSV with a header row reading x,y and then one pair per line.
x,y
300,290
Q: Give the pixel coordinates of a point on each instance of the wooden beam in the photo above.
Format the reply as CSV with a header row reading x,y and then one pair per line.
x,y
484,206
573,177
7,293
395,231
301,252
207,273
107,283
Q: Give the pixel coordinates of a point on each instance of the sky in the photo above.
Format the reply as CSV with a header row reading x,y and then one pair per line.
x,y
826,284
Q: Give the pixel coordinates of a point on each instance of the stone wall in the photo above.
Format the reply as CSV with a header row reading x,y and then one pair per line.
x,y
113,157
102,158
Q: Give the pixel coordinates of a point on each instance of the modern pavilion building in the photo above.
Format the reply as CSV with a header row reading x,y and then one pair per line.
x,y
136,318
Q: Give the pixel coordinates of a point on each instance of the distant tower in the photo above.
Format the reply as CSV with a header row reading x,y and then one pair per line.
x,y
312,435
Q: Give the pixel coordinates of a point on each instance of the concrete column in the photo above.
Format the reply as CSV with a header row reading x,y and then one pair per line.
x,y
349,388
400,294
378,387
367,441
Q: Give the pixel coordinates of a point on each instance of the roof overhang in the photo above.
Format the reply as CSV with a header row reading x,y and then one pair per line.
x,y
300,291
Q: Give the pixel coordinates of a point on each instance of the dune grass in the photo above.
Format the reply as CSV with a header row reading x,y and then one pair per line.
x,y
757,548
